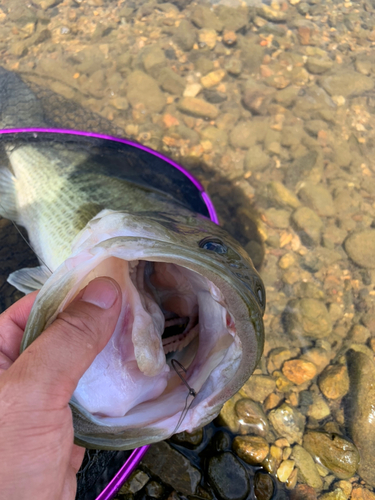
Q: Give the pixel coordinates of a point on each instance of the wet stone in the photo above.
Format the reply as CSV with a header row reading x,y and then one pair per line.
x,y
317,65
204,17
333,451
172,468
282,196
307,471
258,387
299,371
188,439
303,492
359,334
247,134
360,493
273,460
233,66
256,159
263,486
346,83
135,483
334,381
288,422
198,107
285,470
170,81
252,418
276,358
228,477
319,408
154,489
360,247
252,449
185,35
319,356
360,411
143,89
278,218
309,225
270,14
336,494
318,198
308,317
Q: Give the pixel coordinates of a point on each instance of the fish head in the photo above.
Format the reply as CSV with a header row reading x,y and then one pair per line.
x,y
190,331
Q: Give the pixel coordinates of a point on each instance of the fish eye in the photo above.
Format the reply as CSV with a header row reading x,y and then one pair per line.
x,y
213,245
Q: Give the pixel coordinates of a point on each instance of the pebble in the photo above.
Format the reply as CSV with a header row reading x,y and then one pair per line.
x,y
334,381
135,483
361,411
143,89
258,387
318,198
333,451
256,159
213,78
287,261
207,38
246,134
299,371
336,494
185,35
285,470
228,476
278,218
198,107
317,65
204,17
308,317
277,356
251,417
154,489
282,196
172,468
319,356
263,486
307,471
273,460
270,14
192,89
360,246
309,225
319,408
188,439
346,83
252,449
288,422
303,492
360,493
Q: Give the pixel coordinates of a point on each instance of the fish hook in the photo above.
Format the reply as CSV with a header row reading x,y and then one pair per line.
x,y
192,392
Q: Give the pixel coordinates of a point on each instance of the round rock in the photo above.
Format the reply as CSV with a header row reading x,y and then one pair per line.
x,y
308,317
228,477
334,381
361,248
252,449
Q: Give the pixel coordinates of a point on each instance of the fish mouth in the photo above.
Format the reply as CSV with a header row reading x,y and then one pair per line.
x,y
184,343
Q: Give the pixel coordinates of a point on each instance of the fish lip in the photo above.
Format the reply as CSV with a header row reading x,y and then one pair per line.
x,y
240,304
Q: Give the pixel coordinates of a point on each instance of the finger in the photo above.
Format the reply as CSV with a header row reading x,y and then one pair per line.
x,y
12,325
50,368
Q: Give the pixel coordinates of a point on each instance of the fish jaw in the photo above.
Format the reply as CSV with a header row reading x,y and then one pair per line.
x,y
225,354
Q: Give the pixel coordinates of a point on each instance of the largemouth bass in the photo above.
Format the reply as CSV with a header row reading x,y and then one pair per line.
x,y
190,332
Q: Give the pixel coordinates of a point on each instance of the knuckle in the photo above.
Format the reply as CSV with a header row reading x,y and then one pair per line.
x,y
77,327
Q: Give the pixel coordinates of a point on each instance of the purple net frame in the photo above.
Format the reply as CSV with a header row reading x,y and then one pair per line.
x,y
136,456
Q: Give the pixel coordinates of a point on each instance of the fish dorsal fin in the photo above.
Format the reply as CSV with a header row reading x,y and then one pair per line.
x,y
8,205
29,279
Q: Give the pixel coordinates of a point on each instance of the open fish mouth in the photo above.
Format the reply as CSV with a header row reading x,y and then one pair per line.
x,y
168,312
188,336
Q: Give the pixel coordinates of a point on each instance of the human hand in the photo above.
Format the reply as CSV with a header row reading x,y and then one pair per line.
x,y
38,459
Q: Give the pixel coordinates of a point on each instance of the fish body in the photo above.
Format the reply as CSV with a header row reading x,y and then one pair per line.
x,y
191,296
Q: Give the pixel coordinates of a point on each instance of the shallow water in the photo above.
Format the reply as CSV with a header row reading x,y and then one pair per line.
x,y
282,136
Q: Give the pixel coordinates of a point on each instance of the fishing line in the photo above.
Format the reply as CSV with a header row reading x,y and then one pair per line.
x,y
27,243
191,392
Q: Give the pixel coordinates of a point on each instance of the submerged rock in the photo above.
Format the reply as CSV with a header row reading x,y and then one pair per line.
x,y
228,476
360,413
307,471
308,317
361,248
172,468
336,453
288,422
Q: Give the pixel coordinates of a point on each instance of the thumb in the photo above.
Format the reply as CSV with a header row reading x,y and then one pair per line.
x,y
50,368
